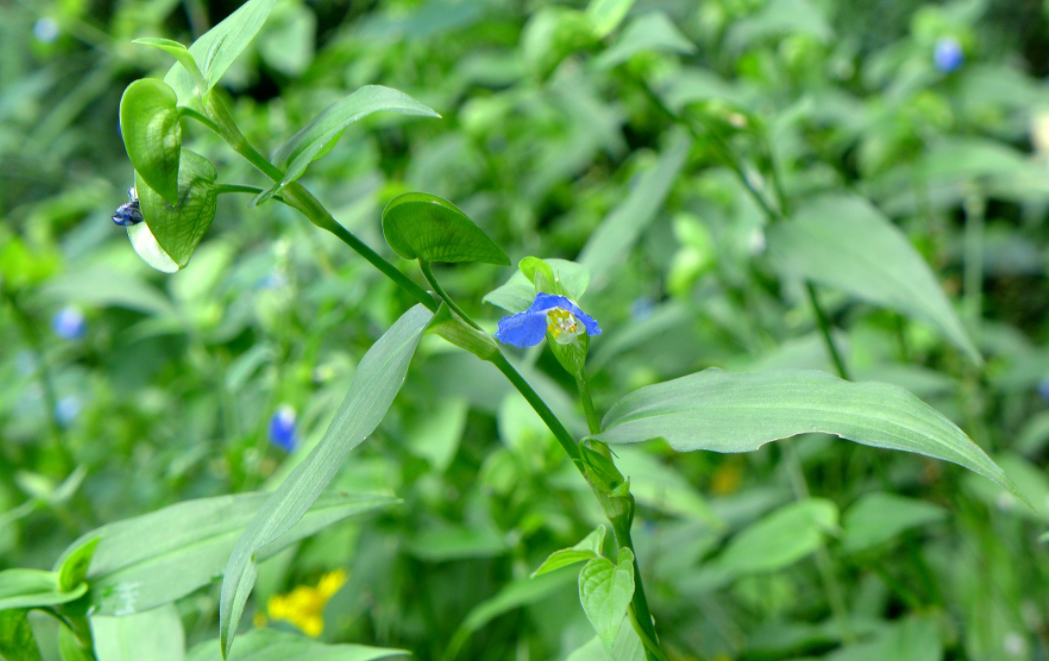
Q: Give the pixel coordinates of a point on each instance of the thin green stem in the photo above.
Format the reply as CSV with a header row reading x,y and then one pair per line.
x,y
975,209
424,266
824,324
592,421
823,562
186,111
643,616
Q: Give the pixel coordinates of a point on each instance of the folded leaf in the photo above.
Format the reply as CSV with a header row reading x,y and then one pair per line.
x,y
149,123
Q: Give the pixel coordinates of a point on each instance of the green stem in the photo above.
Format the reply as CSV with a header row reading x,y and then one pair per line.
x,y
824,324
186,111
975,209
592,422
823,562
639,603
424,266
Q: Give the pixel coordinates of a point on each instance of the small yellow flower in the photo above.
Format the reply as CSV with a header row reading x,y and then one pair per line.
x,y
303,607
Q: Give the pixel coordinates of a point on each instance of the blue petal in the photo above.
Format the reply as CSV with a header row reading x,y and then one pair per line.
x,y
549,301
524,329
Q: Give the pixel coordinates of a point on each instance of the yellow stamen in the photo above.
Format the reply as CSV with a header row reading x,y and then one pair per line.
x,y
561,322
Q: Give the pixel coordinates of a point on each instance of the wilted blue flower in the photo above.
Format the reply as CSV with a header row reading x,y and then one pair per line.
x,y
282,428
548,313
129,213
1043,389
948,55
68,323
46,30
67,409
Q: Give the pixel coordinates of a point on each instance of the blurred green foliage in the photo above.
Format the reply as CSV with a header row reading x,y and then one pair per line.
x,y
166,388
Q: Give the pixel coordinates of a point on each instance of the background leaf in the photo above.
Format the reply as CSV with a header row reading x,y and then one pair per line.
x,y
271,645
154,634
878,517
779,539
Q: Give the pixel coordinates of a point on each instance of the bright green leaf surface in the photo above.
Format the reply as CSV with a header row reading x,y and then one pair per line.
x,y
846,243
149,122
780,539
517,293
153,559
605,590
179,228
375,383
878,517
913,639
724,412
16,637
628,647
216,50
606,15
154,634
302,148
26,588
651,32
428,228
271,645
587,549
180,53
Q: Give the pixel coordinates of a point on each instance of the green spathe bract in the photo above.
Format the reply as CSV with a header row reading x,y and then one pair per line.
x,y
149,122
428,228
375,383
724,412
31,588
179,228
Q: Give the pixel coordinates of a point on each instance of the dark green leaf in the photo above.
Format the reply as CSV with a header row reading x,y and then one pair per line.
x,y
216,50
149,122
723,412
179,228
846,243
375,383
150,560
271,645
428,228
302,148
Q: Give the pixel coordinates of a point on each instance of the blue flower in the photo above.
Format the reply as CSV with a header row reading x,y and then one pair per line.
x,y
1043,389
548,313
282,429
68,323
67,409
948,55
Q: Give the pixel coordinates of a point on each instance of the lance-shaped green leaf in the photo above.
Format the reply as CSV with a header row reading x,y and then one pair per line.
x,y
724,412
30,588
180,53
846,243
155,634
216,50
428,228
780,539
517,293
179,228
153,559
587,549
152,134
651,32
375,383
17,642
605,590
318,137
606,15
273,645
878,517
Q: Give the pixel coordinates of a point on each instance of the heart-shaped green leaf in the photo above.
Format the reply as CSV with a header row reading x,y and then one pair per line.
x,y
179,228
425,227
152,134
605,590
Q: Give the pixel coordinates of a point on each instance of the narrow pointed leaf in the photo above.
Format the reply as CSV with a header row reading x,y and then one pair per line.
x,y
375,384
180,53
316,137
846,243
428,228
216,50
605,590
179,228
152,134
273,645
724,412
587,549
149,560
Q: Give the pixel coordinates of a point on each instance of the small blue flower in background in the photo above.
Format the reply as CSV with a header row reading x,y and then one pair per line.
x,y
68,323
548,313
948,55
282,428
1043,389
67,409
642,308
46,30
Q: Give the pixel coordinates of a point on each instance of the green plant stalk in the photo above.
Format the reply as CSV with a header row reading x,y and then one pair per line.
x,y
824,324
592,422
975,210
424,266
302,200
641,616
